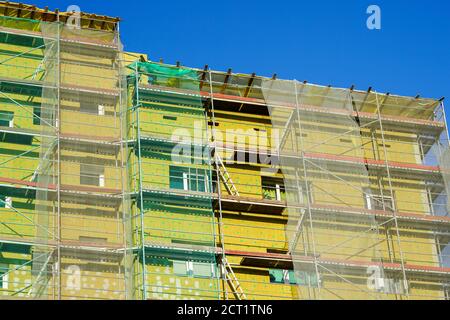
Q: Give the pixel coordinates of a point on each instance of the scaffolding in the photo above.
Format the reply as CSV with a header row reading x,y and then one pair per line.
x,y
63,203
123,178
171,176
352,197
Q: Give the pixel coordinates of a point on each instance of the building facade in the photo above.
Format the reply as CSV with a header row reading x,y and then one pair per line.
x,y
123,178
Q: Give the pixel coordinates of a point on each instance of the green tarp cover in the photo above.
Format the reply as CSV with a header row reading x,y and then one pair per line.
x,y
167,76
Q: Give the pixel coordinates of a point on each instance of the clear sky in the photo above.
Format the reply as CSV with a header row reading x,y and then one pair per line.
x,y
323,42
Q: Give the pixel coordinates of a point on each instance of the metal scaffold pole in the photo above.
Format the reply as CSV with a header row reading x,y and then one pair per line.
x,y
445,121
446,286
206,145
302,152
126,216
141,194
58,150
223,270
391,190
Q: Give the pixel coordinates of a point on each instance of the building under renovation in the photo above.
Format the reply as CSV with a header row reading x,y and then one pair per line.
x,y
123,178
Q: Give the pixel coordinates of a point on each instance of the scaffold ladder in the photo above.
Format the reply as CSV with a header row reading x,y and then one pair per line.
x,y
40,284
226,178
232,280
286,130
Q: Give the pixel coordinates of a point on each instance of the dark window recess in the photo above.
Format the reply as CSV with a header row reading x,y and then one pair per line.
x,y
303,278
273,189
5,118
20,40
210,123
89,107
375,201
2,201
16,138
345,140
92,175
24,90
4,268
170,118
37,115
258,129
387,145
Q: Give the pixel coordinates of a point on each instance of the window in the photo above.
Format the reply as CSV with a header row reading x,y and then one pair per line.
x,y
303,278
193,269
305,190
282,276
6,119
37,115
203,270
16,138
4,275
6,202
306,278
195,181
385,285
188,179
92,108
101,110
92,175
180,268
170,118
273,189
176,177
375,201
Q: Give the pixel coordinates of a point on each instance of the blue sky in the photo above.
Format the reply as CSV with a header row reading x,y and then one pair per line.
x,y
323,42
